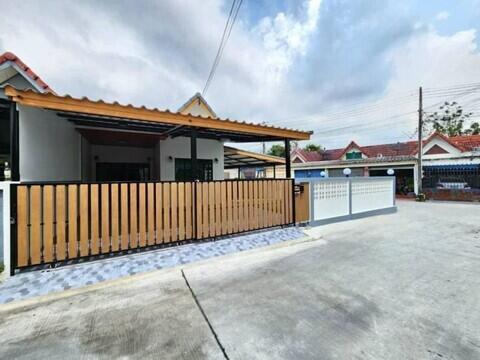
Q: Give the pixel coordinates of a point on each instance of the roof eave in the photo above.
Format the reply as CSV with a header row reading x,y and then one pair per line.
x,y
129,112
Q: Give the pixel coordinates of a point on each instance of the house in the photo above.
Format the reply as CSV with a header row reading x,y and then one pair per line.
x,y
48,137
90,177
450,158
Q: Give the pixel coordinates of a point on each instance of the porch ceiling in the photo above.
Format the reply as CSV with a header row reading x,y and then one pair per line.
x,y
114,115
119,138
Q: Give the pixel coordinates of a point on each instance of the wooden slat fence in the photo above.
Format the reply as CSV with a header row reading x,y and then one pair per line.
x,y
57,222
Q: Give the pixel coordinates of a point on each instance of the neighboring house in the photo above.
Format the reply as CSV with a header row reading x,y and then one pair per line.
x,y
444,158
46,137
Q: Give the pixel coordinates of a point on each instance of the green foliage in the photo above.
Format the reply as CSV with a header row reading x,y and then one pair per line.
x,y
2,267
276,150
312,147
451,120
474,129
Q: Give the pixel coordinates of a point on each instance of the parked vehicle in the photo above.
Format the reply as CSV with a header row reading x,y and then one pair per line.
x,y
453,183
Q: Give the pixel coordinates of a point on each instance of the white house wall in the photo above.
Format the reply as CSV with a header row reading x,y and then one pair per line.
x,y
180,148
49,146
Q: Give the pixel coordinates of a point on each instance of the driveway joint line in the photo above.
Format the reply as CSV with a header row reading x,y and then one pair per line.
x,y
214,333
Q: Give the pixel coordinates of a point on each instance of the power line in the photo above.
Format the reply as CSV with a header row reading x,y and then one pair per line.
x,y
367,124
383,105
375,107
232,17
372,125
369,106
474,84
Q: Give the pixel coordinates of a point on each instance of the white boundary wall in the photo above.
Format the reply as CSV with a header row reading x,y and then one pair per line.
x,y
336,199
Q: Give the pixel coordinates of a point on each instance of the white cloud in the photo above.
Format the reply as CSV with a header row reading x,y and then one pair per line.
x,y
159,54
442,15
426,59
432,61
286,37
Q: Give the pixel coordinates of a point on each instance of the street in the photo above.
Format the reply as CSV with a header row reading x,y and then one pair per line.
x,y
398,286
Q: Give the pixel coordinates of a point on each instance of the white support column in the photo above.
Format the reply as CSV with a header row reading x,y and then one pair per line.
x,y
415,179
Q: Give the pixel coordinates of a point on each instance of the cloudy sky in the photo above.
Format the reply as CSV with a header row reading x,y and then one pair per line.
x,y
346,69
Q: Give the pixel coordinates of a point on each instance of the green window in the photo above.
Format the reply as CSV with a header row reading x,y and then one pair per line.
x,y
354,155
183,169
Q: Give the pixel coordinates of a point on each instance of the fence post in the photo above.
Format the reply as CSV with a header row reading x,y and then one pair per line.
x,y
294,213
394,185
311,199
349,196
12,261
194,211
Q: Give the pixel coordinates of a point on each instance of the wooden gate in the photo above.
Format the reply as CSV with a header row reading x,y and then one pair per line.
x,y
58,222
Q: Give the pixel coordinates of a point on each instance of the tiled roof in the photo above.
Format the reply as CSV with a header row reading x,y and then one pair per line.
x,y
467,143
396,149
8,56
400,149
307,156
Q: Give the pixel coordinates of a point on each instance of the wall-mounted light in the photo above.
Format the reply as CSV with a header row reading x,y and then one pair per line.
x,y
215,160
347,172
323,174
390,172
96,158
170,158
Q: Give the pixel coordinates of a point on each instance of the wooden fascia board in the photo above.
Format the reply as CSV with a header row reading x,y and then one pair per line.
x,y
261,157
68,104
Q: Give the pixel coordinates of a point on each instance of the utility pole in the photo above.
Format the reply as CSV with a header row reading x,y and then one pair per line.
x,y
420,143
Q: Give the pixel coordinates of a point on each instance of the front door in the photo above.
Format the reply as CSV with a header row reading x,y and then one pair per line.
x,y
183,169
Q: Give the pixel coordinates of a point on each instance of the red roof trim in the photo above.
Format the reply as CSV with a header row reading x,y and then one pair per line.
x,y
8,56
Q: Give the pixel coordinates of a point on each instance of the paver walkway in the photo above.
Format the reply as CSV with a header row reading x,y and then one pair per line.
x,y
42,282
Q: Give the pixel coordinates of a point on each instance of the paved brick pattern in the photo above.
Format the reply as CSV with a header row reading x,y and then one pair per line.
x,y
41,282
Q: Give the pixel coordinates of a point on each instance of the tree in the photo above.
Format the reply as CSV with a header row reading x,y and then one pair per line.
x,y
450,120
474,129
312,147
276,150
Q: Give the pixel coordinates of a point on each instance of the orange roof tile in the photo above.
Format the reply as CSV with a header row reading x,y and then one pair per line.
x,y
8,56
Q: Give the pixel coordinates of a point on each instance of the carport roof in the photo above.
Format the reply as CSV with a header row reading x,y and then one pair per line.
x,y
164,122
237,158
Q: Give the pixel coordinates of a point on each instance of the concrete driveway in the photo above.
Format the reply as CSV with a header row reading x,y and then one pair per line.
x,y
399,286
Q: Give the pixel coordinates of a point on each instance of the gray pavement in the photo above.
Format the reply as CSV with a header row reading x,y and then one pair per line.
x,y
398,286
33,283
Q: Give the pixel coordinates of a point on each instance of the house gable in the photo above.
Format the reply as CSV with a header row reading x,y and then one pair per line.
x,y
197,106
438,145
435,150
353,152
16,73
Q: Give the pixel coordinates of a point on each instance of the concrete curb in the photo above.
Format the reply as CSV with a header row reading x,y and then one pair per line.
x,y
145,275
